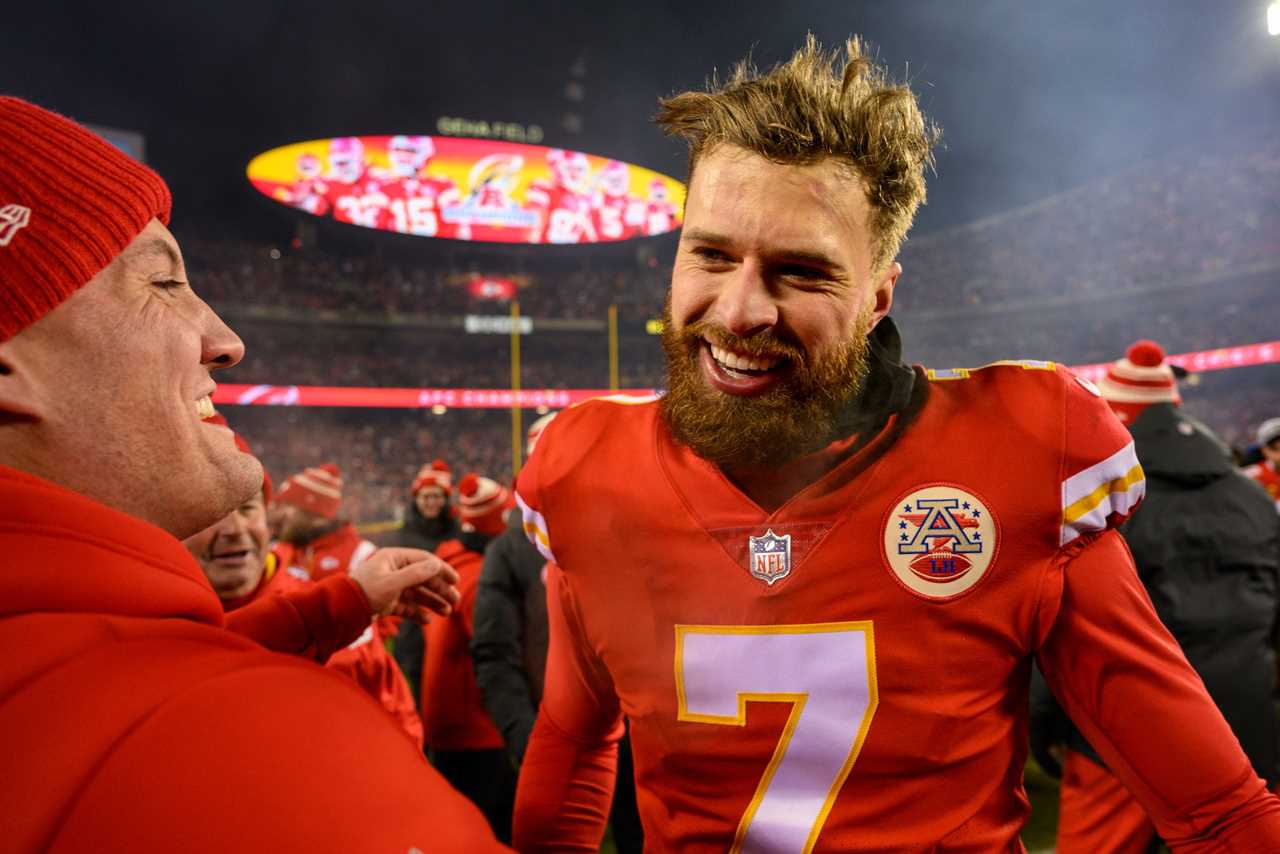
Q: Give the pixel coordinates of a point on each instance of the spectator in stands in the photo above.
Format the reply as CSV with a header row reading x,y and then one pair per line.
x,y
314,542
132,718
235,556
464,744
429,521
1267,471
1207,546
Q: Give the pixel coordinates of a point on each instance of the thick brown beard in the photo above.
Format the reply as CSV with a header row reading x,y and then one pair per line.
x,y
798,416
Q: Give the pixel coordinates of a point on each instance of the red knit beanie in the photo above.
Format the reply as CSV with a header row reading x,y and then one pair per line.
x,y
1138,380
70,202
318,490
435,474
483,503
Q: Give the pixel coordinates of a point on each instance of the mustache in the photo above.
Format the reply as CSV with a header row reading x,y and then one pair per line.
x,y
767,345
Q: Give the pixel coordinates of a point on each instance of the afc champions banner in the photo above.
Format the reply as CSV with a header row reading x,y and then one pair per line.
x,y
470,189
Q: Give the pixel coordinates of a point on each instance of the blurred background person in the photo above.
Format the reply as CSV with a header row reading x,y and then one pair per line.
x,y
1267,471
429,520
235,555
314,542
1206,542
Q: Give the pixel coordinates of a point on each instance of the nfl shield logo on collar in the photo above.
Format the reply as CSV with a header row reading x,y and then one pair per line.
x,y
770,557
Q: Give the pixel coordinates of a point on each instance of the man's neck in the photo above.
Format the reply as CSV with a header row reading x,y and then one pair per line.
x,y
770,488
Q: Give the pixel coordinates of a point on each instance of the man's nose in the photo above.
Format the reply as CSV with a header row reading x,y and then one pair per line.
x,y
746,304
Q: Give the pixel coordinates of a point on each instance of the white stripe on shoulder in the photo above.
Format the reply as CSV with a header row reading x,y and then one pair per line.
x,y
535,528
1090,497
626,399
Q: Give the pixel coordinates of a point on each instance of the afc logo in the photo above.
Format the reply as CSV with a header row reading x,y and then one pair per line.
x,y
939,540
770,557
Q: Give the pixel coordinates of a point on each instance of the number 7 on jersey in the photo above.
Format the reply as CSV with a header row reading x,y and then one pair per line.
x,y
827,672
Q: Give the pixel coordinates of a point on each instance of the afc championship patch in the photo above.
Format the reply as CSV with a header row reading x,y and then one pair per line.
x,y
939,540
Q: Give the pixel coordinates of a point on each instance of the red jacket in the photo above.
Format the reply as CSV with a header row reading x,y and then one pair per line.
x,y
365,659
337,552
131,719
453,711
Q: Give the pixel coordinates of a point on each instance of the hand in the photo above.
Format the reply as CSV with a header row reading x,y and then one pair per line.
x,y
407,583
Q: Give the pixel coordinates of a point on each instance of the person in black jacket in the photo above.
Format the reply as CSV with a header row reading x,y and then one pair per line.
x,y
429,520
1207,545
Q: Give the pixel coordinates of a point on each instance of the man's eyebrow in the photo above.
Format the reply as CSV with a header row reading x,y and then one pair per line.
x,y
800,255
155,247
700,235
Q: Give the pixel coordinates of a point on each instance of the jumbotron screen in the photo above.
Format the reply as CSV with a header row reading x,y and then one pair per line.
x,y
470,189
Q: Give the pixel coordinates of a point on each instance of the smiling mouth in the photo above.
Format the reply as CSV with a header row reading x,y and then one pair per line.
x,y
232,556
204,407
736,364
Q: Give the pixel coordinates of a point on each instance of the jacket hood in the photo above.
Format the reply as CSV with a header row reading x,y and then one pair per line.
x,y
68,553
1174,446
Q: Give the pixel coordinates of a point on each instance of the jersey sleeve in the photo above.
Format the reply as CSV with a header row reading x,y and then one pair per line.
x,y
529,496
566,781
314,621
1102,481
1125,683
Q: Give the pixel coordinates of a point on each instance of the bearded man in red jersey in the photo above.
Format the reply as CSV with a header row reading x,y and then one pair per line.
x,y
814,579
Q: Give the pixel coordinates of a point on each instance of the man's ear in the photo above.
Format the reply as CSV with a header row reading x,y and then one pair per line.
x,y
19,394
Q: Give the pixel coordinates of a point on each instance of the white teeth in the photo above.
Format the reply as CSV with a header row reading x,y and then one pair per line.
x,y
733,361
204,408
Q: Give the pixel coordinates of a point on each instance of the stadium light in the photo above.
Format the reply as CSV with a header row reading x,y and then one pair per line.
x,y
1273,19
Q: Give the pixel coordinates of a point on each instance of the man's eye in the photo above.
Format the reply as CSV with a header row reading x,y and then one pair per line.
x,y
169,284
708,254
796,272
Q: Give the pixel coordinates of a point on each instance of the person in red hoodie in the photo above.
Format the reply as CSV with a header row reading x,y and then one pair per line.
x,y
464,743
314,542
131,719
235,555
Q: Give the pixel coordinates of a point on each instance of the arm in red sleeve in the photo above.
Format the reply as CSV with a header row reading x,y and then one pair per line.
x,y
314,621
1126,684
569,769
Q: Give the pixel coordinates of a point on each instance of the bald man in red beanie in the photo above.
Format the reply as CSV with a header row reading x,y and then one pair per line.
x,y
130,718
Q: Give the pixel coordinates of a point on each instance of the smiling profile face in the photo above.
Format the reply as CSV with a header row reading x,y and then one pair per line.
x,y
117,381
773,294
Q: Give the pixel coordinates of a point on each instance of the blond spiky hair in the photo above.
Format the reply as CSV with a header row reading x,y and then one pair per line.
x,y
812,107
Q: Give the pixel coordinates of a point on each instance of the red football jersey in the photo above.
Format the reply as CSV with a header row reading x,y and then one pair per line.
x,y
1265,473
565,215
850,672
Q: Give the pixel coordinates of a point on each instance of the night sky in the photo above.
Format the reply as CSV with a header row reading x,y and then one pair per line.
x,y
1033,97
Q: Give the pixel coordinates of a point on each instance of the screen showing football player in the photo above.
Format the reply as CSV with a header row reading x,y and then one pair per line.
x,y
617,214
814,578
563,201
414,198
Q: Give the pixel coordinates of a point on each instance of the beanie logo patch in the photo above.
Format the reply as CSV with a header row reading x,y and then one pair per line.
x,y
13,218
